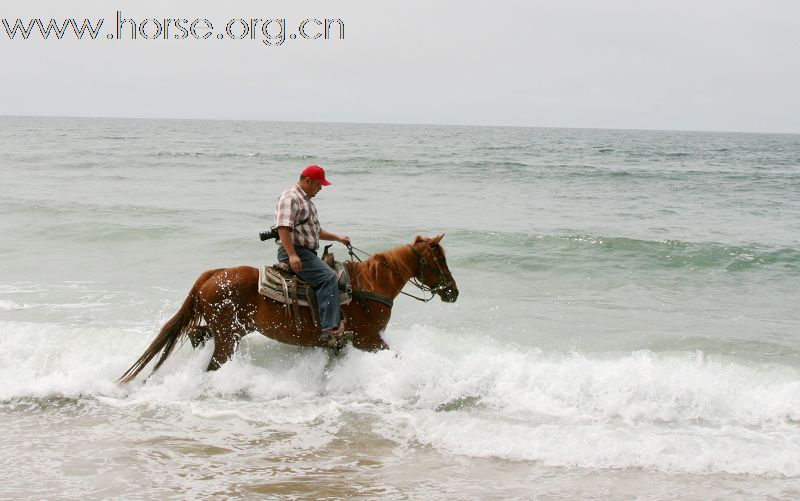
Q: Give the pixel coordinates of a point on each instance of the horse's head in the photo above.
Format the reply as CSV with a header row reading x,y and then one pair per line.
x,y
433,271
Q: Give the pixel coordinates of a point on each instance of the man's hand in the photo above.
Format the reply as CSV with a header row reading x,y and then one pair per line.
x,y
296,263
327,235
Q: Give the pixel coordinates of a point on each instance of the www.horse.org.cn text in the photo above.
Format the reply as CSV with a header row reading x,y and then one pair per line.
x,y
272,32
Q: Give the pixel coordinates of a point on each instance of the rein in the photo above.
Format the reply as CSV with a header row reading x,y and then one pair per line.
x,y
417,282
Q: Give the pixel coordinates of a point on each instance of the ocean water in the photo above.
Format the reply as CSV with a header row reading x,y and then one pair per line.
x,y
628,323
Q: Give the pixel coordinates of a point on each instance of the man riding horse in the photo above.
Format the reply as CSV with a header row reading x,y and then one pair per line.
x,y
224,304
299,233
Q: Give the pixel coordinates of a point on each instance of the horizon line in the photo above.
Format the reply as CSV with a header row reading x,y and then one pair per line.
x,y
400,123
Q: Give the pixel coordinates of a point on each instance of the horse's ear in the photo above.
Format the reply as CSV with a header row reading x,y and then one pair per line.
x,y
417,240
437,239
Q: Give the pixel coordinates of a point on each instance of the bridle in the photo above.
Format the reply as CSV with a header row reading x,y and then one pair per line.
x,y
442,282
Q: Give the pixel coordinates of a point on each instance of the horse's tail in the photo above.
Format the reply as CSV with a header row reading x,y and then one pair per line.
x,y
187,318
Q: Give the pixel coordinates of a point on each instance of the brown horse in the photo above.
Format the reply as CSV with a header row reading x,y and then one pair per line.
x,y
227,302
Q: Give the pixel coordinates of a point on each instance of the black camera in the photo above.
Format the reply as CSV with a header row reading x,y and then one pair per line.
x,y
266,235
273,232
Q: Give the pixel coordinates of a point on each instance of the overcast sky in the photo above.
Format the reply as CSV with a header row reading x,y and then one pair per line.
x,y
700,65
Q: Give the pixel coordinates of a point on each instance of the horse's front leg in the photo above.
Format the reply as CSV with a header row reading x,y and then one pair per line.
x,y
369,341
367,324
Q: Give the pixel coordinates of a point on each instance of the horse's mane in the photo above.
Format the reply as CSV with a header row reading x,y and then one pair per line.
x,y
374,271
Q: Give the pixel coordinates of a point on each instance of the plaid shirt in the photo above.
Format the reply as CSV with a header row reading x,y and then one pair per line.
x,y
293,206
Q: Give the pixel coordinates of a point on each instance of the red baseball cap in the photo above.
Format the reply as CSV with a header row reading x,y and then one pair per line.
x,y
316,172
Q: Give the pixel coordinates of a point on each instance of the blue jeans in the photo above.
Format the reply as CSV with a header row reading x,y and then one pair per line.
x,y
323,279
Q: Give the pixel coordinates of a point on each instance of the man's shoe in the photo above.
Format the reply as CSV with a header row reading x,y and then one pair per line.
x,y
331,336
336,339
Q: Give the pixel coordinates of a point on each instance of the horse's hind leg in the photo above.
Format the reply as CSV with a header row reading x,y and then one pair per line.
x,y
199,335
224,347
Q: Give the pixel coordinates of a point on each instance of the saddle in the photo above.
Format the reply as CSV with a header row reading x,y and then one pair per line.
x,y
278,282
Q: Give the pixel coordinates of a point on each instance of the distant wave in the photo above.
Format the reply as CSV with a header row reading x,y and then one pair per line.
x,y
233,154
205,154
541,251
114,138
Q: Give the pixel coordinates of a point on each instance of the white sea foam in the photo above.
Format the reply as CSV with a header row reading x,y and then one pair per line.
x,y
10,305
463,394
